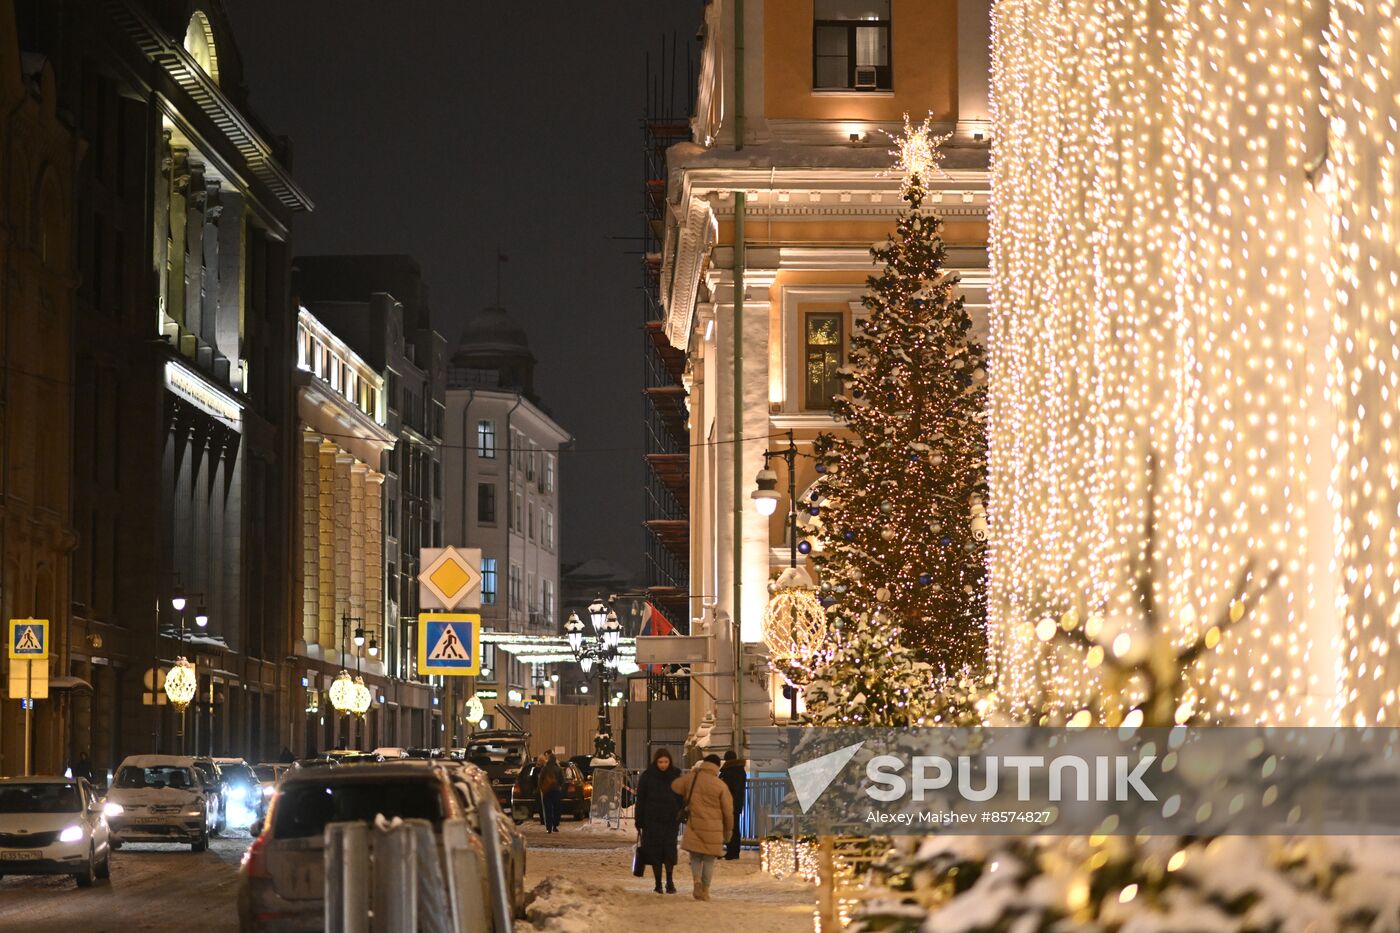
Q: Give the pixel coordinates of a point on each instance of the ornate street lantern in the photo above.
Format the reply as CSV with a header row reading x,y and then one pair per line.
x,y
598,615
573,629
181,683
342,693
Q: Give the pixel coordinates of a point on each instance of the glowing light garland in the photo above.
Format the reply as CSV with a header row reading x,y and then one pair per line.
x,y
1194,222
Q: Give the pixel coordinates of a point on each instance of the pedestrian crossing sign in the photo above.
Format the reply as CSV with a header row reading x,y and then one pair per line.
x,y
449,644
29,639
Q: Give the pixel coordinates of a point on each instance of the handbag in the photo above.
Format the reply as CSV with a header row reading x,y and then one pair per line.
x,y
639,865
683,814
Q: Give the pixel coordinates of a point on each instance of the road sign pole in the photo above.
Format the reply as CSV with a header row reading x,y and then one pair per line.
x,y
28,711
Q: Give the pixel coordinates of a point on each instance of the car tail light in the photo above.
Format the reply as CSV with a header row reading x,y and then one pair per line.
x,y
255,859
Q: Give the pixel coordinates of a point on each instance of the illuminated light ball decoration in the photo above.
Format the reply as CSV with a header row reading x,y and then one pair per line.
x,y
181,683
361,699
1194,254
342,692
794,626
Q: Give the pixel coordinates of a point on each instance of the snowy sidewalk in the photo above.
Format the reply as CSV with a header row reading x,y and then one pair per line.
x,y
581,878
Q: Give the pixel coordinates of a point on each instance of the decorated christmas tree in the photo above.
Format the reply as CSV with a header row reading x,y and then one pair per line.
x,y
902,506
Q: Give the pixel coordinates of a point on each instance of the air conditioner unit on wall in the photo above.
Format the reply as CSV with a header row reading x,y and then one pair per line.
x,y
866,77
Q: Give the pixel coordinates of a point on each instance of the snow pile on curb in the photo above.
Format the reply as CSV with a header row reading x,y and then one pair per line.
x,y
560,906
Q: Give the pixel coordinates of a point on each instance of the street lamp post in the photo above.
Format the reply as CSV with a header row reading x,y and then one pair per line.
x,y
601,649
182,680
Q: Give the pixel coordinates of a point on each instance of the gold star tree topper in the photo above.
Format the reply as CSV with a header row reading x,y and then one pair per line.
x,y
918,152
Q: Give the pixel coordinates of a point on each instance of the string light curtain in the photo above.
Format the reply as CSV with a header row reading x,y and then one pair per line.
x,y
1192,267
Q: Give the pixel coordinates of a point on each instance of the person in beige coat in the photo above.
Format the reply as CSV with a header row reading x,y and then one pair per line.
x,y
711,821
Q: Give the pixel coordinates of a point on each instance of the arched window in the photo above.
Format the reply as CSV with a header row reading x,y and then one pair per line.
x,y
199,42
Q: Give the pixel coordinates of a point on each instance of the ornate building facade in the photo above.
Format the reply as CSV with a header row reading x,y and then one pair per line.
x,y
771,212
184,437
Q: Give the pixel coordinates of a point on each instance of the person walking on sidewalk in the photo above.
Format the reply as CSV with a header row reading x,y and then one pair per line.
x,y
710,823
658,809
737,780
551,788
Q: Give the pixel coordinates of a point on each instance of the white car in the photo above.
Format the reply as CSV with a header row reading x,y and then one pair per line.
x,y
160,798
52,826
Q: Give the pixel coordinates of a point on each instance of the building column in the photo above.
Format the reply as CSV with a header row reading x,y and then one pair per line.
x,y
374,556
974,69
310,535
325,524
343,546
357,541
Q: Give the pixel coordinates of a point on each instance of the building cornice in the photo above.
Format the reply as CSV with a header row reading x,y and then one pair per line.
x,y
170,56
797,193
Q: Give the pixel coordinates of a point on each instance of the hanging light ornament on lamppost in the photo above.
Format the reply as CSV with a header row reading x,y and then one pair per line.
x,y
794,622
361,698
794,626
181,683
342,692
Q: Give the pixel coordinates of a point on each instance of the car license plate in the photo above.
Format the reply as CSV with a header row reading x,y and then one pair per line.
x,y
150,819
18,856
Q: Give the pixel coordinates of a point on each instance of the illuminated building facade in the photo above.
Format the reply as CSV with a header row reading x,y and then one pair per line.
x,y
377,306
781,192
182,336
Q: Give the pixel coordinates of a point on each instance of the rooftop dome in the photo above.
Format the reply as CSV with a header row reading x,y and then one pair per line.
x,y
493,353
494,331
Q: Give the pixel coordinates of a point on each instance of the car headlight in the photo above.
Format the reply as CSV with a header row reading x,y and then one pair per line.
x,y
195,811
71,834
112,809
268,790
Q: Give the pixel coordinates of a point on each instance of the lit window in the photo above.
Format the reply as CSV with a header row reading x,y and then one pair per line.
x,y
486,439
851,45
821,360
549,472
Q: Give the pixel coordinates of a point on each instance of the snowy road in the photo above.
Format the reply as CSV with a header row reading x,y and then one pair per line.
x,y
153,887
583,882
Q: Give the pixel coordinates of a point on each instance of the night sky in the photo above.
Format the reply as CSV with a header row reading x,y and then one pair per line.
x,y
438,129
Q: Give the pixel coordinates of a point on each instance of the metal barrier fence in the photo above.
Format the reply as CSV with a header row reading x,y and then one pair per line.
x,y
400,878
614,795
763,809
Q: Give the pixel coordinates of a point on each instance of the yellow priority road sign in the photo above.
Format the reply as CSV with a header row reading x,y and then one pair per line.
x,y
29,639
449,644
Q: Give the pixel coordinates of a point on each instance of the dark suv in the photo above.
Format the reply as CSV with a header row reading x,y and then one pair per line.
x,y
501,754
576,799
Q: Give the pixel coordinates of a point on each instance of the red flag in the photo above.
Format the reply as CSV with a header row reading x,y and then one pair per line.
x,y
656,624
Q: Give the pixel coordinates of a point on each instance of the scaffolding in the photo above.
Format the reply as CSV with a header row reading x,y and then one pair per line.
x,y
665,122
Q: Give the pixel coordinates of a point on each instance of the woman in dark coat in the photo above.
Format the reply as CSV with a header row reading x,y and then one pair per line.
x,y
656,812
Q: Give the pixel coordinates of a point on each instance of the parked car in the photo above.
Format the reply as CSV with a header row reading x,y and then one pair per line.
x,y
474,787
268,773
243,796
501,754
53,826
280,883
213,780
160,798
302,764
390,752
576,799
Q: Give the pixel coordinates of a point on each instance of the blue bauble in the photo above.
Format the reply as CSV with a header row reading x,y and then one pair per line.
x,y
925,579
828,601
821,467
848,535
856,393
814,510
804,547
945,540
913,457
